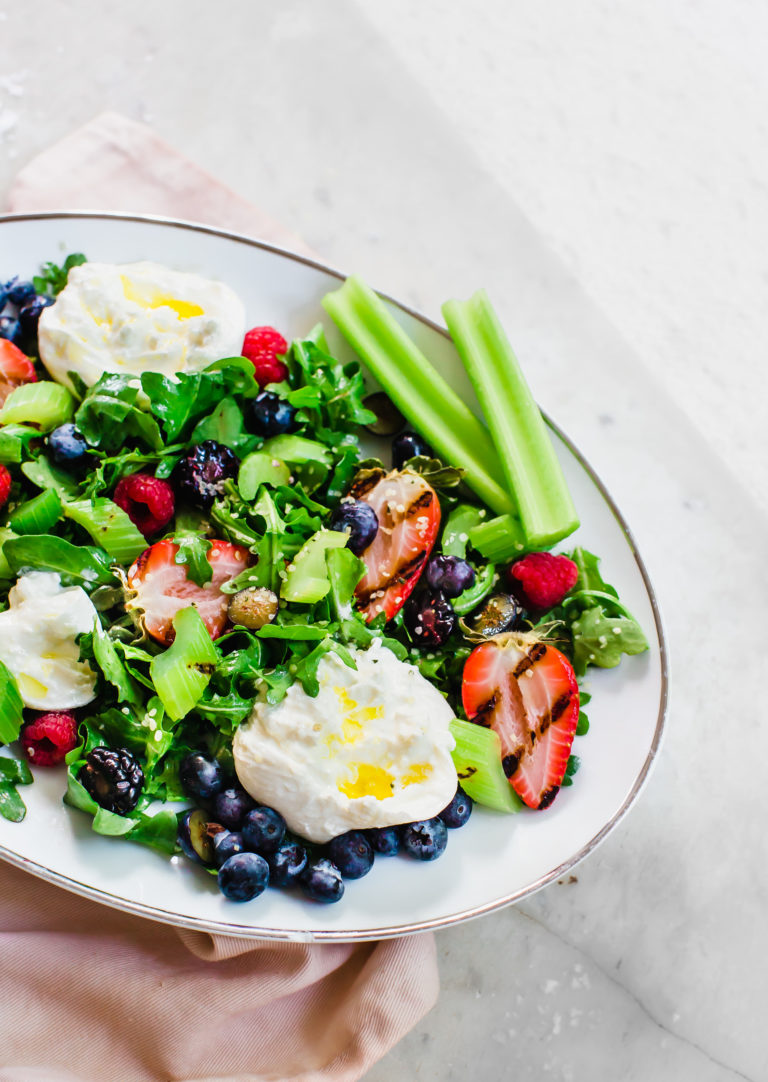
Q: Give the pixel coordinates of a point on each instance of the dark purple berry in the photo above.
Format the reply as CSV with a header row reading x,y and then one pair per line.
x,y
429,618
113,777
385,840
10,328
230,807
68,447
263,830
450,574
502,612
425,840
19,293
271,415
286,864
29,313
458,811
321,881
243,877
197,836
359,518
389,419
200,475
352,854
225,844
201,778
408,445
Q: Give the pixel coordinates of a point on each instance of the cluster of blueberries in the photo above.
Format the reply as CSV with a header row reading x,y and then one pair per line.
x,y
20,308
250,846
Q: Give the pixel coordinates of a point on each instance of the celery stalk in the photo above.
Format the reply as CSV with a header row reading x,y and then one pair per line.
x,y
528,459
182,672
46,405
417,389
499,539
109,526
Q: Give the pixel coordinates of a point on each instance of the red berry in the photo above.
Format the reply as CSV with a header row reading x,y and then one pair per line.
x,y
5,485
541,580
262,346
15,368
148,501
48,738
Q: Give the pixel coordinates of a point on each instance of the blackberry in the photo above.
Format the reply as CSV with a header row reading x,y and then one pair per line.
x,y
114,779
429,618
200,475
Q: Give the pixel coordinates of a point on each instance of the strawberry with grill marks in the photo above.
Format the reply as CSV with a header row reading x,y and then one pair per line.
x,y
526,691
408,512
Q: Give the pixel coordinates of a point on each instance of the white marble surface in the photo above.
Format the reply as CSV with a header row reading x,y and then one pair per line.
x,y
601,169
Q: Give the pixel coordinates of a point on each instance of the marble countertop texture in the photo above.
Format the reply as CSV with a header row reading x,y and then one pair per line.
x,y
600,168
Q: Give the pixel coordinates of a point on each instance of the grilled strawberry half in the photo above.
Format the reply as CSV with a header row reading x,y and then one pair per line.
x,y
526,691
159,587
15,368
408,511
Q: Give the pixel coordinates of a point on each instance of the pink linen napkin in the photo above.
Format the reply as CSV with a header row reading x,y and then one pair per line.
x,y
90,993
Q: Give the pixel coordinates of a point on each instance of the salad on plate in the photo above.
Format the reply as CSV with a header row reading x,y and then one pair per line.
x,y
257,613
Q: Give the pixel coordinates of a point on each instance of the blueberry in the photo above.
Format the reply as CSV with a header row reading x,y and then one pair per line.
x,y
408,445
3,295
286,864
458,811
230,806
450,574
429,618
200,475
385,840
201,777
359,518
425,840
29,313
321,881
68,447
225,844
271,415
10,328
19,293
263,830
243,877
196,835
502,612
352,854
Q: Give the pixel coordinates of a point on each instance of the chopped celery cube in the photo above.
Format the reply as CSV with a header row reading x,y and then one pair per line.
x,y
307,575
46,405
182,672
499,539
477,758
109,526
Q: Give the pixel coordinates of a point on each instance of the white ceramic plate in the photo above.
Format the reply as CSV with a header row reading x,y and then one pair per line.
x,y
495,859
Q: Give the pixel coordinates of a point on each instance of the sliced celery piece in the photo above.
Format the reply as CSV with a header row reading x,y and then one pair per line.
x,y
418,390
258,469
109,526
533,474
182,672
499,539
310,460
11,448
477,758
38,515
46,405
306,578
11,707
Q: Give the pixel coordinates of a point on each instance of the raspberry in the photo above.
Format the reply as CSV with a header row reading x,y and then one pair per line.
x,y
261,346
148,501
5,485
48,738
541,580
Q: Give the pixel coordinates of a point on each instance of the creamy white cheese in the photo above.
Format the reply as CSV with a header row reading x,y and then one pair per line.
x,y
37,642
138,317
373,749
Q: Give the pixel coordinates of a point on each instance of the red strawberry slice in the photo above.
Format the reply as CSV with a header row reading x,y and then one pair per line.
x,y
526,691
160,588
15,368
408,511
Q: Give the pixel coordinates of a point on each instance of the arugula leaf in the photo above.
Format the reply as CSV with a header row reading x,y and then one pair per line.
x,y
434,472
589,573
45,475
340,389
226,425
52,279
181,401
108,660
306,669
12,807
158,831
193,548
600,639
80,565
113,411
11,706
15,771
